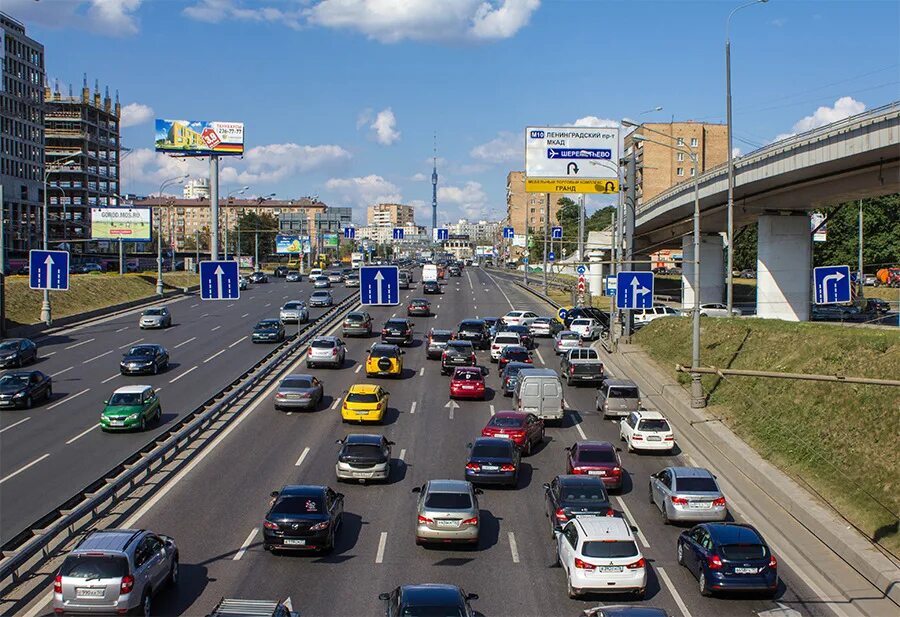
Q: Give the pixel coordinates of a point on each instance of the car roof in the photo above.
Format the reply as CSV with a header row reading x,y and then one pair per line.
x,y
569,479
269,320
620,382
326,337
108,540
733,533
140,345
360,438
472,321
419,300
302,489
650,415
537,372
441,331
515,349
491,441
519,415
19,373
518,365
298,376
364,388
595,445
137,389
396,320
691,472
449,486
604,527
384,348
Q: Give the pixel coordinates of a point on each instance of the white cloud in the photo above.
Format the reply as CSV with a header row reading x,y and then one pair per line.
x,y
506,147
134,114
595,122
844,107
107,17
146,168
364,117
736,152
365,190
384,127
216,11
470,199
114,16
419,177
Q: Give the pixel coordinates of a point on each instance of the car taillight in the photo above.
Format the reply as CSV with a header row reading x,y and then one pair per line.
x,y
443,355
334,351
583,565
679,501
473,466
640,563
561,515
713,562
507,467
384,331
320,526
423,520
773,563
571,370
517,433
670,438
472,358
270,525
409,308
616,471
57,584
579,470
470,521
719,502
127,584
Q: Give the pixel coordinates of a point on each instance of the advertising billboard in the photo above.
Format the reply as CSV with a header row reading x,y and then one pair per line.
x,y
120,223
199,137
291,245
330,240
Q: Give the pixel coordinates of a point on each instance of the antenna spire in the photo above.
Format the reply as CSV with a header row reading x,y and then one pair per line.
x,y
434,181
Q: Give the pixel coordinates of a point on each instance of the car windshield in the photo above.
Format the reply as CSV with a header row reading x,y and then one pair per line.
x,y
298,504
153,312
506,422
470,326
395,323
322,343
448,501
460,346
293,306
741,552
581,322
517,354
620,392
385,351
293,272
584,494
696,485
94,566
353,317
267,325
597,456
14,380
320,294
507,340
366,450
568,336
297,382
513,369
141,351
125,398
468,376
441,337
418,301
9,346
362,397
610,549
653,426
484,450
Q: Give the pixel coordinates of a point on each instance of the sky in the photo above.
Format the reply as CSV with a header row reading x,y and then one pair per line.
x,y
343,98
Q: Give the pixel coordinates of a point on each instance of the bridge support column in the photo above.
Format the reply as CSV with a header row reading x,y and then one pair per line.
x,y
596,273
712,270
783,266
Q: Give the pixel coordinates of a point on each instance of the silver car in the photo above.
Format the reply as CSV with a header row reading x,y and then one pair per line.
x,y
364,457
294,311
687,494
335,277
352,280
718,310
566,340
299,392
447,511
321,298
321,282
115,571
618,397
328,350
293,276
156,317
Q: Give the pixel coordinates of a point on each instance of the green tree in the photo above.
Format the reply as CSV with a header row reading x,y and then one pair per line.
x,y
251,224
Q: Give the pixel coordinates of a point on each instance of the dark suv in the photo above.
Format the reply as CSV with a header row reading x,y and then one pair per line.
x,y
457,353
398,331
476,332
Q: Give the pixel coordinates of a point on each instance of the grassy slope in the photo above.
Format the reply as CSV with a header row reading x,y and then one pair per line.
x,y
843,440
87,292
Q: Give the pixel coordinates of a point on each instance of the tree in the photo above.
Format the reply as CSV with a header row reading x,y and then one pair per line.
x,y
250,223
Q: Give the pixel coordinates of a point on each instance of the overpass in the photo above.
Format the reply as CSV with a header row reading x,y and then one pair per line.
x,y
776,186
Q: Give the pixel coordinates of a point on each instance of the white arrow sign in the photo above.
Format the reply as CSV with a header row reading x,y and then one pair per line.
x,y
378,287
837,276
49,263
636,290
219,272
451,404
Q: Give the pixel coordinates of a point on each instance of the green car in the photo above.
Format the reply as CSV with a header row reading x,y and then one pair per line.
x,y
131,407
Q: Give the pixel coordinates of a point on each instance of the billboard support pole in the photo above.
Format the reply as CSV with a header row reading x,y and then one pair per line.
x,y
214,206
121,257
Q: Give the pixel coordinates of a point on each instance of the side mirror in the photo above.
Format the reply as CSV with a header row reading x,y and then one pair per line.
x,y
485,370
416,489
618,449
106,402
339,495
471,596
273,494
338,441
384,596
402,353
469,445
478,491
391,443
568,448
634,528
546,485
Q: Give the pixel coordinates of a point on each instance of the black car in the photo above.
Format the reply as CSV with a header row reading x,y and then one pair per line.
x,y
259,277
493,460
587,312
23,388
491,323
510,376
877,305
304,518
513,353
268,331
569,495
142,359
475,331
457,353
419,307
454,271
280,271
17,352
428,599
364,457
431,287
524,333
398,331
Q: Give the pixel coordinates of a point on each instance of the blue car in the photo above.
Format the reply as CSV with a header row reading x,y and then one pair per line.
x,y
728,557
509,377
493,460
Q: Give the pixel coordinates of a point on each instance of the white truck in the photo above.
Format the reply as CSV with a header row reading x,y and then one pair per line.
x,y
356,260
429,273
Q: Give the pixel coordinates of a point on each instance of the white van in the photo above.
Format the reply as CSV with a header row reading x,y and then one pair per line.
x,y
429,273
314,272
539,391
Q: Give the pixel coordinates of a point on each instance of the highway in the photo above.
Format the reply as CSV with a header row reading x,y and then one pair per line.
x,y
55,449
215,510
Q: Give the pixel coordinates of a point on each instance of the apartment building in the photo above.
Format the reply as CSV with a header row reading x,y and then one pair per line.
x,y
481,232
526,209
390,215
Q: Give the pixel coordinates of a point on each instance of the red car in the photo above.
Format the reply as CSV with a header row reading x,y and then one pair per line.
x,y
513,353
596,458
525,430
467,382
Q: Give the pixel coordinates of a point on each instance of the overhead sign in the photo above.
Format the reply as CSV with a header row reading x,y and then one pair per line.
x,y
509,233
350,233
397,233
120,224
634,290
443,234
572,185
48,270
379,285
556,233
330,240
199,137
571,159
832,284
219,280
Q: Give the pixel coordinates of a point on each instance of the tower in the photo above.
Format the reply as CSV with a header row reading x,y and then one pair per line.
x,y
434,178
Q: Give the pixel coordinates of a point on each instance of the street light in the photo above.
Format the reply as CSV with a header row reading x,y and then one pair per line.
x,y
159,279
729,284
239,191
46,315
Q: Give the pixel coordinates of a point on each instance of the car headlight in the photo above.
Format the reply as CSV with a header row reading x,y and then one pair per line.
x,y
20,395
133,416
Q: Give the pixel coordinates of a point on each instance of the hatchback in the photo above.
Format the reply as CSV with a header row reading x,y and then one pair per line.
x,y
398,331
299,392
601,555
467,382
509,377
130,407
437,343
365,403
587,329
294,311
568,496
23,388
525,430
321,298
431,287
513,353
428,599
17,352
503,339
447,511
357,323
327,350
646,430
687,494
596,458
268,331
303,518
419,307
493,460
364,457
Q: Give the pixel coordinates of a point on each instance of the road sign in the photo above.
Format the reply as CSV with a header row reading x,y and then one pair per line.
x,y
48,270
571,185
443,234
562,314
580,269
832,284
350,233
551,256
398,233
379,285
509,233
571,159
634,290
556,233
610,283
219,280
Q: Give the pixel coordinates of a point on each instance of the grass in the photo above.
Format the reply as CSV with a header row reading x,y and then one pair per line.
x,y
745,289
87,292
842,440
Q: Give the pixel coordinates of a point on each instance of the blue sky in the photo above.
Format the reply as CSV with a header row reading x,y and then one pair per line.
x,y
340,98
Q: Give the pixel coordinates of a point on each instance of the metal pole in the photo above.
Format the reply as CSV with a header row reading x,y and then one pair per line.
x,y
121,257
256,248
46,316
239,241
581,232
214,207
225,231
698,400
197,247
629,216
527,252
546,233
2,264
159,279
859,276
729,264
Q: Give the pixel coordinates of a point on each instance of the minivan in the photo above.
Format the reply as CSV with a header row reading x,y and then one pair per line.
x,y
429,273
539,391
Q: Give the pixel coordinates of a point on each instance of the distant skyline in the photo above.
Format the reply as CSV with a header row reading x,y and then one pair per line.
x,y
341,98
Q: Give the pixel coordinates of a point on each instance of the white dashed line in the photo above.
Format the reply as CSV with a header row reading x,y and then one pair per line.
x,y
268,305
217,327
664,577
193,368
108,379
581,431
302,456
244,315
229,305
212,357
237,341
394,315
65,370
492,410
412,408
131,343
82,434
6,428
47,355
121,329
195,305
402,456
89,360
421,371
67,399
513,548
80,344
193,338
358,368
640,534
31,464
246,544
540,357
335,404
205,315
382,541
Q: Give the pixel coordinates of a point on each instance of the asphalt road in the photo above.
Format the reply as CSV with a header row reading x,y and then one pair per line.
x,y
55,449
215,511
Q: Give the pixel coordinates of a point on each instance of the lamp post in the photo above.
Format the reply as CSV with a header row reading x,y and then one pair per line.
x,y
159,279
46,315
729,265
239,191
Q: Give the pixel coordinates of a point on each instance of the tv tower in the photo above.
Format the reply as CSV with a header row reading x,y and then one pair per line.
x,y
434,178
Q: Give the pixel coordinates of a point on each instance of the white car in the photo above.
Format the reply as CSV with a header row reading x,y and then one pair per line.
x,y
646,430
501,341
645,316
588,329
599,554
294,311
718,310
519,318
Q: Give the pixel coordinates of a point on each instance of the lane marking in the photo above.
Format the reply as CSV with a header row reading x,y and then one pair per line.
x,y
205,315
79,344
26,419
492,410
358,368
131,343
421,371
245,314
302,456
581,431
212,357
243,338
21,469
403,454
216,328
195,305
121,329
664,577
382,541
268,305
394,315
451,412
67,399
245,545
110,378
468,276
193,368
97,357
640,534
513,548
65,370
335,404
412,408
47,355
540,357
82,434
229,305
501,291
193,338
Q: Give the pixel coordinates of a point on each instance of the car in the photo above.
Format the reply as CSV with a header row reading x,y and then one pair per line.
x,y
115,571
600,554
22,388
493,460
397,330
646,430
268,331
457,353
509,376
351,280
519,318
280,272
566,340
357,323
303,517
623,610
468,382
294,311
524,333
384,360
718,310
836,312
474,331
130,407
293,276
403,279
513,353
143,359
321,299
156,317
243,283
436,343
589,312
447,512
321,282
454,271
750,274
581,365
259,277
335,276
491,323
687,494
428,599
363,457
524,430
364,403
91,269
545,327
299,392
503,339
596,458
588,329
568,496
645,316
241,607
419,307
728,557
328,350
877,306
431,287
618,397
410,275
17,352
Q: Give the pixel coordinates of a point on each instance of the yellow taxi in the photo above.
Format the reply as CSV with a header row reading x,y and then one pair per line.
x,y
364,403
384,361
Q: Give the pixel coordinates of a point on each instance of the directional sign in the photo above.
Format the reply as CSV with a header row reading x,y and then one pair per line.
x,y
551,256
580,269
832,284
604,154
398,233
48,270
443,234
219,280
571,159
509,233
562,314
350,233
610,283
556,233
634,290
379,285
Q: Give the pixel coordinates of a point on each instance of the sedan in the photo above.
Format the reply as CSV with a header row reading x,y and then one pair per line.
x,y
299,392
259,277
430,287
352,280
509,377
493,460
17,352
321,282
428,599
398,331
567,496
321,298
718,310
596,458
293,276
364,457
294,311
525,430
513,353
547,327
524,333
468,382
335,276
687,494
23,388
447,511
158,317
419,307
566,340
280,272
357,323
303,517
268,331
142,359
519,318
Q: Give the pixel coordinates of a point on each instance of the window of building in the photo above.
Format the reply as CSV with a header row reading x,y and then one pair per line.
x,y
679,157
679,171
693,142
680,141
693,171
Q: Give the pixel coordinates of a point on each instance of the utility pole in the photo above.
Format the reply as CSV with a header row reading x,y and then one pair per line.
x,y
546,233
214,206
581,231
629,214
527,251
2,264
197,241
859,275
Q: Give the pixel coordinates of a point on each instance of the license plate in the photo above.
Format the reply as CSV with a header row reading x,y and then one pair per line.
x,y
361,474
289,542
293,396
116,422
362,412
468,387
490,467
447,524
654,438
609,569
700,505
596,472
503,435
746,570
85,592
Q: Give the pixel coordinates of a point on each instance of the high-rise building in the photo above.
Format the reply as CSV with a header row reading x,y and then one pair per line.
x,y
527,209
21,135
196,188
390,215
482,232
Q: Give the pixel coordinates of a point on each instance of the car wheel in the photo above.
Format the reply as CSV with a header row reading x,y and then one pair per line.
x,y
143,423
528,447
639,594
145,606
28,402
665,515
155,369
173,572
704,590
680,554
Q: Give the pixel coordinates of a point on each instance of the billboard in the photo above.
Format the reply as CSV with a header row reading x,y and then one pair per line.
x,y
330,240
120,223
570,159
291,245
199,137
818,224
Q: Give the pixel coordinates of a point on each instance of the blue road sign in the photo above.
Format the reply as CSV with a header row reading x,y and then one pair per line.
x,y
634,290
379,285
562,314
398,233
579,153
551,256
832,284
443,234
509,233
350,233
219,280
580,269
556,233
48,270
609,285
